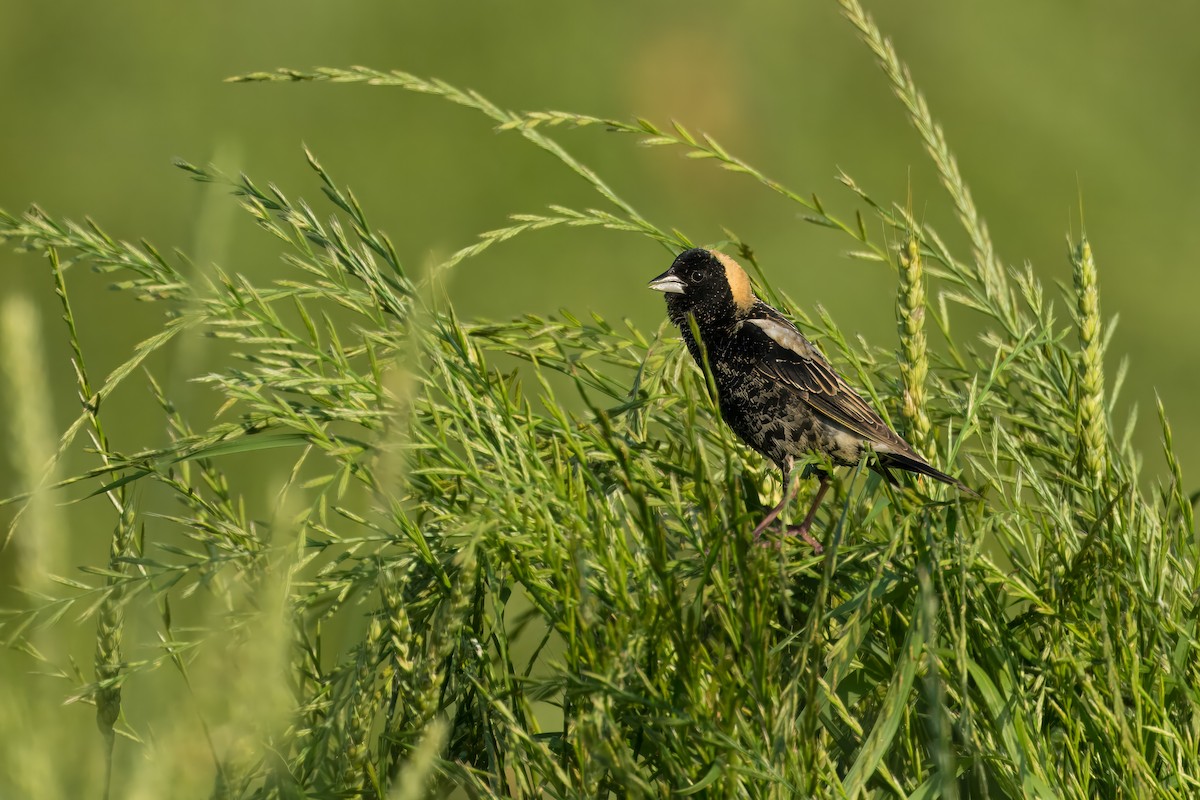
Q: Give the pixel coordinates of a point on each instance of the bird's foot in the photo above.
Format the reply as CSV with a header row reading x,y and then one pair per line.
x,y
761,539
802,532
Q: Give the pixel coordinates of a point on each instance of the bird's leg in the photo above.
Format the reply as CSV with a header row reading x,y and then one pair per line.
x,y
789,494
801,530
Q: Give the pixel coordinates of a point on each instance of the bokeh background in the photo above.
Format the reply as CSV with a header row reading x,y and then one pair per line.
x,y
1043,102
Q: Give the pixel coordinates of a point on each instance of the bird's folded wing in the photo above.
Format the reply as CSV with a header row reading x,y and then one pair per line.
x,y
794,360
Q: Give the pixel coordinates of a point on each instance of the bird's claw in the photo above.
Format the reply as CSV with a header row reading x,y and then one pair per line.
x,y
802,532
762,540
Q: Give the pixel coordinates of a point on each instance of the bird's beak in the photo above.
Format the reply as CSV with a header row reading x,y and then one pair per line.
x,y
667,282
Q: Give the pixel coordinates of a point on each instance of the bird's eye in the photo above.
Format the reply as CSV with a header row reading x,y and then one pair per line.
x,y
695,276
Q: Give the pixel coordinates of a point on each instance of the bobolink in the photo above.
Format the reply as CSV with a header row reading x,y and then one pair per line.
x,y
776,390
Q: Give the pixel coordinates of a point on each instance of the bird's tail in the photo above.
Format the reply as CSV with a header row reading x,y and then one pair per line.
x,y
915,464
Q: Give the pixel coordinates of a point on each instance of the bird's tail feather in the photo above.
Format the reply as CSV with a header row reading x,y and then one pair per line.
x,y
912,464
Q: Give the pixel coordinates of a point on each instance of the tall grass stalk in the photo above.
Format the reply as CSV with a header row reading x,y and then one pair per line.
x,y
1093,432
914,361
33,445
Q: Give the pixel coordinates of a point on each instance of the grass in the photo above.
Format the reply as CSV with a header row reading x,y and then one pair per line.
x,y
510,558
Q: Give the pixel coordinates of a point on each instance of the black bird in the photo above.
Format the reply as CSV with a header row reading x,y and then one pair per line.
x,y
776,390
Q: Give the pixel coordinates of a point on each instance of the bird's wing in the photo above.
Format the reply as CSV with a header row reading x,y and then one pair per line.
x,y
794,360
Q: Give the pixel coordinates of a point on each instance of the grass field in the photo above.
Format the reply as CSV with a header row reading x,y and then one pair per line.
x,y
510,558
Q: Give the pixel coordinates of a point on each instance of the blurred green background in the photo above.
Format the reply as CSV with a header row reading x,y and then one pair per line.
x,y
1041,102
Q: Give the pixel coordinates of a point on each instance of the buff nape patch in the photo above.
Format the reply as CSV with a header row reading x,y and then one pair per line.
x,y
739,281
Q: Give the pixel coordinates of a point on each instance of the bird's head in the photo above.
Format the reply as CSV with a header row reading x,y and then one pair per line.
x,y
708,284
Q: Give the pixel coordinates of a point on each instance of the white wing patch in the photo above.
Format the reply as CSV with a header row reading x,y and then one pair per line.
x,y
786,336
